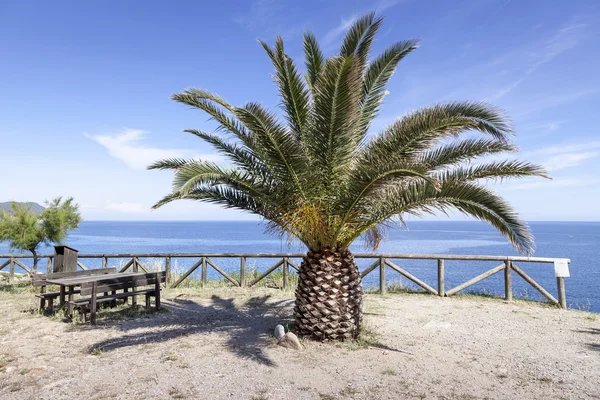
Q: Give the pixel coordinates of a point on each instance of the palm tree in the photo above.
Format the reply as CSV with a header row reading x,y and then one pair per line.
x,y
320,178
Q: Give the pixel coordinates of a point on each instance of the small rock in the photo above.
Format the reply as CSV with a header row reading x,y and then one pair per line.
x,y
10,370
279,332
290,341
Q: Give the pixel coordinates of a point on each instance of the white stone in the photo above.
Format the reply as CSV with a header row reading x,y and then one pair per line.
x,y
279,332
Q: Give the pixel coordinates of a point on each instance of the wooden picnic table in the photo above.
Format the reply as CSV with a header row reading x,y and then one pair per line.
x,y
68,285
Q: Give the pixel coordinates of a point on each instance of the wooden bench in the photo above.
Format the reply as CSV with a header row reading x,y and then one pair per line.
x,y
132,286
40,280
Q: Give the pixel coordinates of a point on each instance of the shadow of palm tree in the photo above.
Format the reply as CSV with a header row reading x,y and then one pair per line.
x,y
247,327
592,331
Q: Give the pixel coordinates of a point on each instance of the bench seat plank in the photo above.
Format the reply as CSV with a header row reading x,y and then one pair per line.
x,y
111,297
53,294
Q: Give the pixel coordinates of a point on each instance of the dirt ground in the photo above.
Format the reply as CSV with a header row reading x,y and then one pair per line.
x,y
217,345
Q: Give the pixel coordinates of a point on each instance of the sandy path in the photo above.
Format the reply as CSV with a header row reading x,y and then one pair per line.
x,y
220,348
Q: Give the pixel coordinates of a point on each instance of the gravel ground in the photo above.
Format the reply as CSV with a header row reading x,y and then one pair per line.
x,y
217,345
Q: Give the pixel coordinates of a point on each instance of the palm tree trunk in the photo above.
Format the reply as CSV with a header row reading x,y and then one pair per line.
x,y
328,296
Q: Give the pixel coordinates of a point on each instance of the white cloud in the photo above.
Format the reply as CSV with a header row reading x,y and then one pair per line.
x,y
557,157
126,207
334,33
127,146
567,37
561,161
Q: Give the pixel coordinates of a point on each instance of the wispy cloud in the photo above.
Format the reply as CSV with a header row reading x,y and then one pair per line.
x,y
269,17
538,54
558,157
330,37
336,32
128,147
561,161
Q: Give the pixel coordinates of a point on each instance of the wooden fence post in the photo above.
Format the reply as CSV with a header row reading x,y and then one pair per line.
x,y
134,264
286,271
562,294
168,271
508,295
204,271
441,277
382,287
49,266
242,271
11,273
104,262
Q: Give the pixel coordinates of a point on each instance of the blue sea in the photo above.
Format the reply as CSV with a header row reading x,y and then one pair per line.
x,y
578,241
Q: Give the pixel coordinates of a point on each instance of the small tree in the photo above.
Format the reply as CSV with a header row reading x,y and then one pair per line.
x,y
25,229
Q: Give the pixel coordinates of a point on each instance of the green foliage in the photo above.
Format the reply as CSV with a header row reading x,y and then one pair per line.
x,y
321,179
25,230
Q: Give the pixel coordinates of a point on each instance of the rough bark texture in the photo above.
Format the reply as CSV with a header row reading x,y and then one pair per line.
x,y
328,296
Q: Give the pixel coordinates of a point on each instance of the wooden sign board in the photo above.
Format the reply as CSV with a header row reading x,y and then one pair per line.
x,y
561,269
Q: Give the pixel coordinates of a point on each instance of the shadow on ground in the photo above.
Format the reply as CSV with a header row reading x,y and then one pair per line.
x,y
247,328
591,331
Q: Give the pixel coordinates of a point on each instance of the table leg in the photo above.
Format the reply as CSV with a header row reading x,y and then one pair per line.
x,y
70,305
62,296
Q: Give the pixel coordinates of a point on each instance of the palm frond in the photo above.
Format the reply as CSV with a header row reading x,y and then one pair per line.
x,y
332,139
276,146
294,95
314,59
242,157
495,170
169,164
456,152
422,129
377,76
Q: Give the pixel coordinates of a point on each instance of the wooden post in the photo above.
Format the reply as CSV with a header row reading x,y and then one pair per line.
x,y
43,299
286,271
204,271
11,271
441,285
508,295
382,287
70,299
93,305
562,294
157,291
104,262
49,266
167,271
242,271
135,264
62,296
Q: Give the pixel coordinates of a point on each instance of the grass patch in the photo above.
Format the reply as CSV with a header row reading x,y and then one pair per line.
x,y
96,351
18,287
545,379
176,394
390,371
367,338
171,357
4,363
397,287
348,391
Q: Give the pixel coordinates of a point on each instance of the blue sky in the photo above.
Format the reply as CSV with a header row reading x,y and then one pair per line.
x,y
85,86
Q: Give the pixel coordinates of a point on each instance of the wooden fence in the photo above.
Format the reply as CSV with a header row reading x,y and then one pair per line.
x,y
381,263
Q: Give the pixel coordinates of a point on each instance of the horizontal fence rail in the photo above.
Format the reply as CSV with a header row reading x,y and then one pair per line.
x,y
284,262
